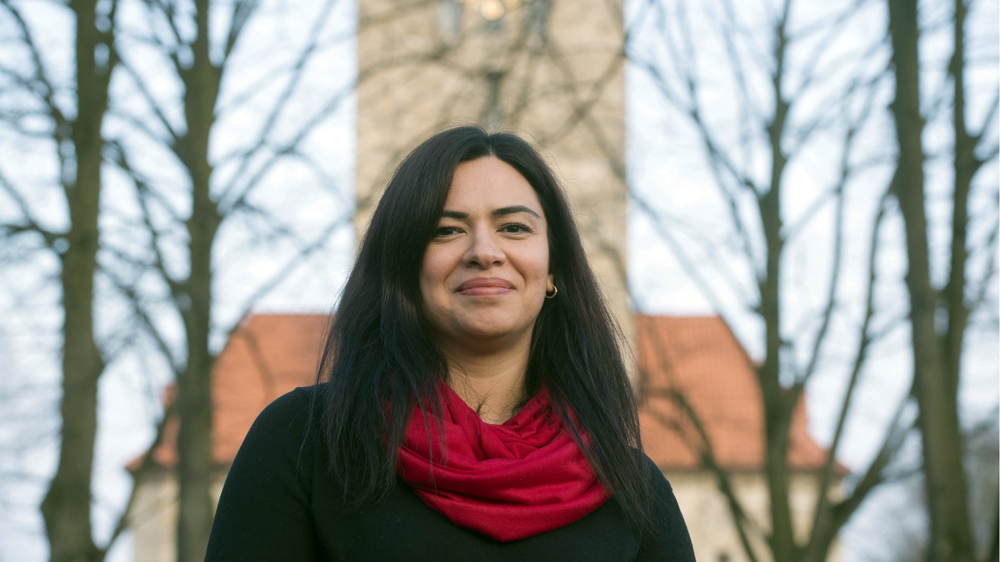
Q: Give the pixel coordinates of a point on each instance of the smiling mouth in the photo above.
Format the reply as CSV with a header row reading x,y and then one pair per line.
x,y
485,286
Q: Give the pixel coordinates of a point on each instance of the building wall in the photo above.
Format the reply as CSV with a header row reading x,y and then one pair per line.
x,y
549,70
153,518
709,520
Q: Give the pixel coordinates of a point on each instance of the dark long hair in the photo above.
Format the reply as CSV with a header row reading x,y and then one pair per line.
x,y
378,360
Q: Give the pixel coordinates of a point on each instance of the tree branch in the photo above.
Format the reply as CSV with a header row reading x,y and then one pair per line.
x,y
137,478
873,476
838,251
135,299
40,74
30,224
154,106
242,10
143,191
292,264
277,109
821,513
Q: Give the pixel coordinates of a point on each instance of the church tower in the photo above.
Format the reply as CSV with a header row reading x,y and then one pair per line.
x,y
551,71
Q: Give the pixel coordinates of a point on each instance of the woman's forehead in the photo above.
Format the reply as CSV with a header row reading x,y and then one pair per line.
x,y
490,185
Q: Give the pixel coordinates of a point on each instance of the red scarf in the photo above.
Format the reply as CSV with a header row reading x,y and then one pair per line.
x,y
508,481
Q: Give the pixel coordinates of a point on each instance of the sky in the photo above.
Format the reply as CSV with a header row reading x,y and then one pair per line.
x,y
667,172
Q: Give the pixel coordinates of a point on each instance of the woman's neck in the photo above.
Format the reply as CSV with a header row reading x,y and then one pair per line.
x,y
491,383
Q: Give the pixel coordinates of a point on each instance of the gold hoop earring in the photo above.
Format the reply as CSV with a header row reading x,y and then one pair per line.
x,y
552,295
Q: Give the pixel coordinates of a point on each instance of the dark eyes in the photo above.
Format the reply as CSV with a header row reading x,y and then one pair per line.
x,y
445,231
510,228
515,228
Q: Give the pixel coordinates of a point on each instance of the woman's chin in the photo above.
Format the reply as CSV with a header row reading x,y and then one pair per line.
x,y
492,332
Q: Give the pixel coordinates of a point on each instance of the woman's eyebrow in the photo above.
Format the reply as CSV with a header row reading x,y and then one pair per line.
x,y
503,211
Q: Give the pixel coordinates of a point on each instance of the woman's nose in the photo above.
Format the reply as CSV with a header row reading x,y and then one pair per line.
x,y
484,249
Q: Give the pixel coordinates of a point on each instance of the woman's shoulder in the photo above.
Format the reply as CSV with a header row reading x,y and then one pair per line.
x,y
264,511
667,538
293,400
648,465
290,418
290,406
656,482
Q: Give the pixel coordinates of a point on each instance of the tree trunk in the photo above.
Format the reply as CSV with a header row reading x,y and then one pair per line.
x,y
951,538
777,417
777,409
965,166
196,466
66,506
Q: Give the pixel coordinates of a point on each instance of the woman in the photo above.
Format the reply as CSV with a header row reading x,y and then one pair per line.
x,y
473,402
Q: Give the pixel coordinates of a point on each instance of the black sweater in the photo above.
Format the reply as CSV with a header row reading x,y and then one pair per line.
x,y
281,503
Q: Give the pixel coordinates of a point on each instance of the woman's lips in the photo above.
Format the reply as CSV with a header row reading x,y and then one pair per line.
x,y
485,286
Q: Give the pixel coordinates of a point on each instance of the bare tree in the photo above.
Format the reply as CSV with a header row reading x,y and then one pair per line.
x,y
937,351
200,64
73,129
76,135
785,91
905,539
88,146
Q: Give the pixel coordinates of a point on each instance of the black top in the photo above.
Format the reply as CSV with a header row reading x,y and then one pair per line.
x,y
282,503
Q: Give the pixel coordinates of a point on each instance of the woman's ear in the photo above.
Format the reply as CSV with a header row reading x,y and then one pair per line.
x,y
550,283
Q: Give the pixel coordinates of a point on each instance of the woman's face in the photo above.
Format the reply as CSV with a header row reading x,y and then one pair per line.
x,y
486,270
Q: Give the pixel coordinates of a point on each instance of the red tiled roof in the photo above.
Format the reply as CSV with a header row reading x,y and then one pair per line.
x,y
700,359
274,353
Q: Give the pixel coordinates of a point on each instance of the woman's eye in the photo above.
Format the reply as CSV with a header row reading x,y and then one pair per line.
x,y
445,231
515,228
